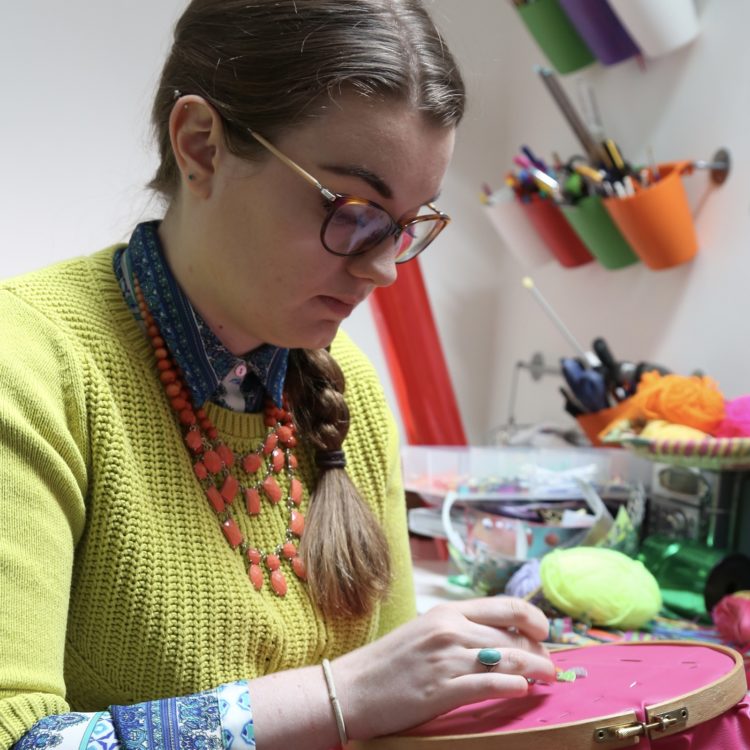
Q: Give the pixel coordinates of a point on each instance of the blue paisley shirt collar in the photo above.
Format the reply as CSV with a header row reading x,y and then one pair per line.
x,y
211,371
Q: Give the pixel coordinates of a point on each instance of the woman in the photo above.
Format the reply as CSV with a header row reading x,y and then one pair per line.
x,y
181,515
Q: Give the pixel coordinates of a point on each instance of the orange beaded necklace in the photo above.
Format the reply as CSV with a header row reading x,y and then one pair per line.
x,y
213,461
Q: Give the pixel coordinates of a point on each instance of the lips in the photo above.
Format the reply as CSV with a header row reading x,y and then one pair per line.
x,y
341,308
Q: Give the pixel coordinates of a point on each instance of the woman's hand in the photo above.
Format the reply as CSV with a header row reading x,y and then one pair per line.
x,y
429,665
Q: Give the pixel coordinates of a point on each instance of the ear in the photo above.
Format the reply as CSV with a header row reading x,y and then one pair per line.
x,y
197,135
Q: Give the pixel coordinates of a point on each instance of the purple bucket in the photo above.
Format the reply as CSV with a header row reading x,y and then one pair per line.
x,y
601,29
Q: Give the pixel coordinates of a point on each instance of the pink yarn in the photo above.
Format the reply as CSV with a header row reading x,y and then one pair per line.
x,y
732,619
736,422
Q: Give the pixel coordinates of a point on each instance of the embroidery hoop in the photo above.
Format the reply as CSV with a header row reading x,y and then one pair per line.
x,y
594,732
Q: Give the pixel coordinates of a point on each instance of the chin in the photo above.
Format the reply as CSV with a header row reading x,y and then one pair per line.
x,y
319,338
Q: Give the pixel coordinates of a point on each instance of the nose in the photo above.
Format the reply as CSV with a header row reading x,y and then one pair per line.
x,y
377,265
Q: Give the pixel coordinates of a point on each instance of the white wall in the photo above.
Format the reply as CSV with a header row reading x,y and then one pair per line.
x,y
77,79
685,105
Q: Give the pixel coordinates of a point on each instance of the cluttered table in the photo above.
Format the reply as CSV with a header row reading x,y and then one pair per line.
x,y
612,546
641,560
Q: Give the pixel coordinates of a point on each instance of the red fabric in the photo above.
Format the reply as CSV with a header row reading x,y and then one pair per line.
x,y
619,678
411,344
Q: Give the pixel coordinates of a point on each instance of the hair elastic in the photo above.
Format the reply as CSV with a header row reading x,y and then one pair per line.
x,y
330,459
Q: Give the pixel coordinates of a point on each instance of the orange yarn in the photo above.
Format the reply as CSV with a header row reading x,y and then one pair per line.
x,y
691,400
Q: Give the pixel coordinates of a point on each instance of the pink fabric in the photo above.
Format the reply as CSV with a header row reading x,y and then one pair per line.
x,y
620,678
730,731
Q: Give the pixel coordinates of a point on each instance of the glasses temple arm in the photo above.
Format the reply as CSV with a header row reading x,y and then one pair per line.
x,y
292,165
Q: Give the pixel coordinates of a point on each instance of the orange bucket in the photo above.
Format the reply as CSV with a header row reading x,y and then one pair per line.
x,y
592,424
656,221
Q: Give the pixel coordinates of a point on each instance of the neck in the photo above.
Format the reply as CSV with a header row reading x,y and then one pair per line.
x,y
184,246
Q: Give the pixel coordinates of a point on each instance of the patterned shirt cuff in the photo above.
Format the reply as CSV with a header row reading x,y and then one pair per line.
x,y
219,719
74,731
236,716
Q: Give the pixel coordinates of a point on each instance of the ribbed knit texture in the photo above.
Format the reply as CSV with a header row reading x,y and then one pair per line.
x,y
116,583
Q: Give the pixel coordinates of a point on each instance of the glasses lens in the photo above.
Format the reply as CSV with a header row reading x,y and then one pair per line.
x,y
353,227
417,235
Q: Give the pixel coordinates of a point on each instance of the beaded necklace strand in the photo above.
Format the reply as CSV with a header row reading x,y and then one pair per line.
x,y
213,461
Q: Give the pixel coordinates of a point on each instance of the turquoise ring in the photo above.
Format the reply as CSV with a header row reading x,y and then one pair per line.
x,y
489,658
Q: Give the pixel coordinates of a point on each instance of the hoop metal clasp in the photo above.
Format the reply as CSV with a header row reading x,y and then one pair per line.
x,y
660,723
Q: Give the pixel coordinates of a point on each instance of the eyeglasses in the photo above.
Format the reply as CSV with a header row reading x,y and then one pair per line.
x,y
353,225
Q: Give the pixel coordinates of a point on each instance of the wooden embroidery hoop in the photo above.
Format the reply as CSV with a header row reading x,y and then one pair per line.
x,y
606,732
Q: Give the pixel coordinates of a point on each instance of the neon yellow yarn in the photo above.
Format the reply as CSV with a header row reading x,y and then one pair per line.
x,y
600,586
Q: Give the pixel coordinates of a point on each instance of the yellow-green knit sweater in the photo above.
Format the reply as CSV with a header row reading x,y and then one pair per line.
x,y
116,583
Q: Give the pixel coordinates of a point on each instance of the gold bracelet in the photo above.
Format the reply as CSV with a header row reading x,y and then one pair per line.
x,y
334,702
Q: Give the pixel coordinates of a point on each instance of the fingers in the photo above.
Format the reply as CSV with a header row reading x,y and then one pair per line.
x,y
473,636
499,621
512,661
476,687
505,612
507,677
502,623
493,658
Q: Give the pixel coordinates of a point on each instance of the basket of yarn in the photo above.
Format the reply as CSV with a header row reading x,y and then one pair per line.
x,y
684,420
593,585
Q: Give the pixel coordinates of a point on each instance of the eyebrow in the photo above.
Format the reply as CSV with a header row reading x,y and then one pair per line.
x,y
371,179
364,174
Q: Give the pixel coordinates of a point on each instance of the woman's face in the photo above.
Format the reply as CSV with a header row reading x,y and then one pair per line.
x,y
256,268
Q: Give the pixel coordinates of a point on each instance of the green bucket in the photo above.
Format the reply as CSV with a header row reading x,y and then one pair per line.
x,y
593,224
556,35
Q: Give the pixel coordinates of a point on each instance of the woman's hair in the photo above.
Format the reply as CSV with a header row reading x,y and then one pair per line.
x,y
265,65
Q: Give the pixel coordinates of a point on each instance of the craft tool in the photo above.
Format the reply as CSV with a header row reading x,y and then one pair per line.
x,y
588,171
529,154
546,183
590,109
610,368
655,175
587,357
587,385
614,155
596,154
572,405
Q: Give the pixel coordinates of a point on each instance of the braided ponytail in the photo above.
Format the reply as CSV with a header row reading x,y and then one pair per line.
x,y
345,550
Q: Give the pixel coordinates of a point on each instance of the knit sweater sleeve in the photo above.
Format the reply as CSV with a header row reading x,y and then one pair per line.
x,y
43,478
